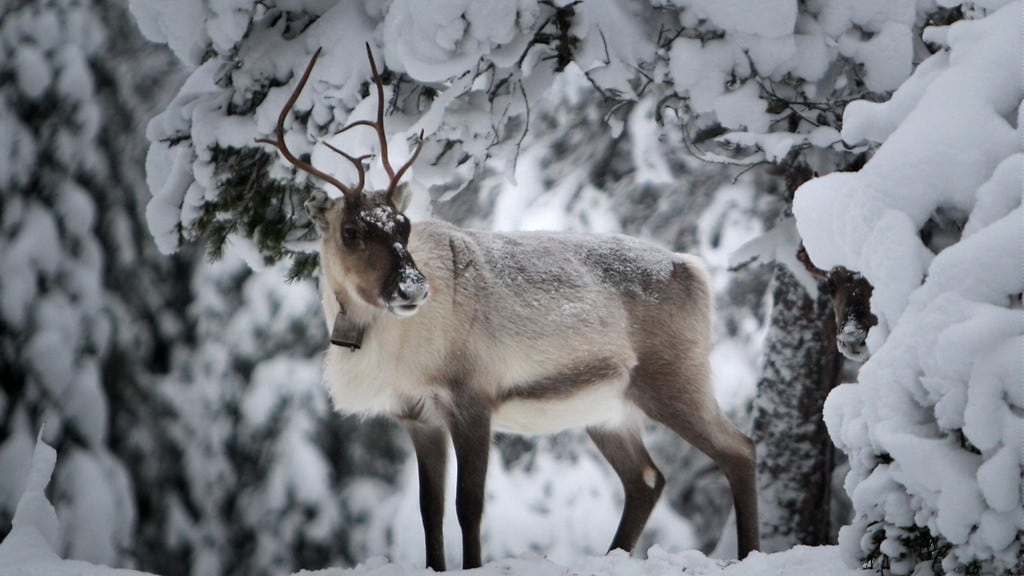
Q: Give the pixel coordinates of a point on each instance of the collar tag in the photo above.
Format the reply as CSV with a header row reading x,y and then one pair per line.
x,y
347,333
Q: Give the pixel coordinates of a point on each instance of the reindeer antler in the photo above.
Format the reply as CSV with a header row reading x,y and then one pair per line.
x,y
280,144
378,127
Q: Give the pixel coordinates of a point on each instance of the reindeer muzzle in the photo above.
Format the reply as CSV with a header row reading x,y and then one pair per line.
x,y
409,288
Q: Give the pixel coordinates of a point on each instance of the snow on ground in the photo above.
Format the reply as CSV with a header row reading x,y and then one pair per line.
x,y
567,508
30,550
800,561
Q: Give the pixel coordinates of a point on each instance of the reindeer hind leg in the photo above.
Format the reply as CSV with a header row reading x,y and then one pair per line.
x,y
690,410
641,481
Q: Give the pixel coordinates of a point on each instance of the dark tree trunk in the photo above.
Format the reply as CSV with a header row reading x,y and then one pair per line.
x,y
795,455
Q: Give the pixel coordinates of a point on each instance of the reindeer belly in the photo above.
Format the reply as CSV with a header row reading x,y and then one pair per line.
x,y
590,394
600,406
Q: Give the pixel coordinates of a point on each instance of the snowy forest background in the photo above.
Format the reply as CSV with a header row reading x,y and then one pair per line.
x,y
148,319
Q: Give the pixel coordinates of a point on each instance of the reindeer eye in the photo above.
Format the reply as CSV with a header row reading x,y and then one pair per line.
x,y
349,234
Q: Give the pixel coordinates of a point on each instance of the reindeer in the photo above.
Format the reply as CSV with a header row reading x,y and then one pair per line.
x,y
455,333
850,293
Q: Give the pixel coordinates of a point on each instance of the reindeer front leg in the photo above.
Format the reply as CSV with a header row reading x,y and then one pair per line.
x,y
470,428
431,444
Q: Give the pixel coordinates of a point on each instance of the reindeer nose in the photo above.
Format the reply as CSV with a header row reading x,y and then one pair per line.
x,y
410,291
412,286
403,294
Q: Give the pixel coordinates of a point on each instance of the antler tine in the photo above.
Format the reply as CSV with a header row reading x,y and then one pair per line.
x,y
377,126
380,114
401,171
357,161
279,142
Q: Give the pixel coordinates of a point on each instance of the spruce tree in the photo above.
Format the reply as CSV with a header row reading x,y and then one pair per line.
x,y
77,338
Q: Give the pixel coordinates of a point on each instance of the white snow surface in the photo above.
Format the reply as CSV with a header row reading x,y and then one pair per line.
x,y
800,561
29,550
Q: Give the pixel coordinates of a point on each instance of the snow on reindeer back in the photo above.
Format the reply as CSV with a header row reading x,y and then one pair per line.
x,y
577,270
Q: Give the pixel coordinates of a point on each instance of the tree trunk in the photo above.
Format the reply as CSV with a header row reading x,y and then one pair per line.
x,y
795,455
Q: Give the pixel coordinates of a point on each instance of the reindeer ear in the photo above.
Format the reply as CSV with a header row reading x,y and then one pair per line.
x,y
401,197
317,206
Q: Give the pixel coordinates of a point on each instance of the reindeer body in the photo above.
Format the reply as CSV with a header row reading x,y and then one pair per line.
x,y
545,327
534,333
456,333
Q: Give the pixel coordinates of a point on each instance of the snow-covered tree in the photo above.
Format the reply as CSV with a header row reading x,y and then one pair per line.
x,y
774,93
70,181
179,439
246,486
933,220
795,458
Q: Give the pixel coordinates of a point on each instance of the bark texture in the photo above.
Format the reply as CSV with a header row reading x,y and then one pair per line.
x,y
795,455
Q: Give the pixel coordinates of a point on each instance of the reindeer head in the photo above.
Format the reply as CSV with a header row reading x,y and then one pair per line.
x,y
851,304
364,235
